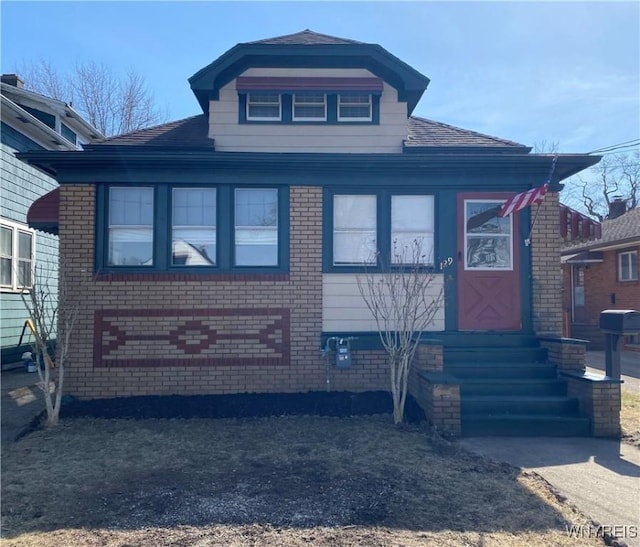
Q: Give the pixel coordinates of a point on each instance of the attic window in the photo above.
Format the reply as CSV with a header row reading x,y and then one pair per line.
x,y
264,106
355,107
309,107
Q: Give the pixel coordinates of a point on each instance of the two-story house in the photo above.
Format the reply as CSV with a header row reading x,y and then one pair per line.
x,y
30,121
217,253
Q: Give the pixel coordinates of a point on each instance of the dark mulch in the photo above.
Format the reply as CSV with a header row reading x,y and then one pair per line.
x,y
243,405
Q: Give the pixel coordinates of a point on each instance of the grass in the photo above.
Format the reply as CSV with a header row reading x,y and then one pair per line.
x,y
267,481
630,417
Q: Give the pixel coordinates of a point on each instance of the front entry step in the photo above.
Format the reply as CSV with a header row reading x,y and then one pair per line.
x,y
512,390
529,425
512,405
512,386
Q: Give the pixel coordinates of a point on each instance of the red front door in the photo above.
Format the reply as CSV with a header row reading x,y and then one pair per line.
x,y
488,265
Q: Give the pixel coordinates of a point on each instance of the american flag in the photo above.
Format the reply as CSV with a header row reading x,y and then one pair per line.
x,y
522,200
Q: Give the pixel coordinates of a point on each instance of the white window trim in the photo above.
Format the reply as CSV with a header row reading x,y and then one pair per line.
x,y
16,228
295,118
355,119
263,118
629,272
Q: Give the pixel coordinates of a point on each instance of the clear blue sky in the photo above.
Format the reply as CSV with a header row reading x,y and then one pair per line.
x,y
565,72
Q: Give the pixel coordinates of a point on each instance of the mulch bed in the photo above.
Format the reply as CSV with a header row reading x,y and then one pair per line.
x,y
243,405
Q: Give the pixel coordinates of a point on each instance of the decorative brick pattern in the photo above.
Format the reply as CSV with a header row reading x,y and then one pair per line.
x,y
237,365
125,338
545,268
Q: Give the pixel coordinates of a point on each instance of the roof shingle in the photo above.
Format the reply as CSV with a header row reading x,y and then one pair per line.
x,y
429,133
188,132
421,133
306,37
623,228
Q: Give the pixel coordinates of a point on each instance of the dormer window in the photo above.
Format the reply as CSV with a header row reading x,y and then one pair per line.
x,y
354,107
309,107
264,106
309,100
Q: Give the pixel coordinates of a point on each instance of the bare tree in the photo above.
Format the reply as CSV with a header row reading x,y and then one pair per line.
x,y
404,303
53,318
615,176
114,104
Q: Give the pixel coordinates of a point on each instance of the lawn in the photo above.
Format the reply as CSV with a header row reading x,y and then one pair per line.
x,y
287,481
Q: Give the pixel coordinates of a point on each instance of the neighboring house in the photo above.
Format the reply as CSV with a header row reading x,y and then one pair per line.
x,y
30,121
602,274
217,253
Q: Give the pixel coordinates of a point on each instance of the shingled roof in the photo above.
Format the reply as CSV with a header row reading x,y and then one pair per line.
x,y
306,37
428,133
186,133
623,229
421,134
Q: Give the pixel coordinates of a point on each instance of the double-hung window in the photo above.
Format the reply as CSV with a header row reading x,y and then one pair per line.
x,y
395,228
130,226
412,229
628,266
354,107
193,239
189,229
17,248
256,227
264,106
309,107
354,229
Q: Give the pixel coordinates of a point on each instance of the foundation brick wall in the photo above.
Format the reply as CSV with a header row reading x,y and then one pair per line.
x,y
202,334
600,400
438,394
568,354
546,268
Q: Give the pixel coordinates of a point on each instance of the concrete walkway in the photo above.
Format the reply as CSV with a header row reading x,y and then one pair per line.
x,y
601,477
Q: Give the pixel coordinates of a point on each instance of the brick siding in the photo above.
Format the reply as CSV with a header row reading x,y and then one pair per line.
x,y
545,268
190,335
602,291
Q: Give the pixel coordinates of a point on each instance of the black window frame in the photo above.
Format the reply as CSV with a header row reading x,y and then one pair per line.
x,y
383,228
162,231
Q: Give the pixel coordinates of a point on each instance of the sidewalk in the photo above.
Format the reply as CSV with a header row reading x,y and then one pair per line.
x,y
601,477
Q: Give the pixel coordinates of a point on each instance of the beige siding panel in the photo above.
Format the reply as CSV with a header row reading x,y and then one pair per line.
x,y
344,309
231,136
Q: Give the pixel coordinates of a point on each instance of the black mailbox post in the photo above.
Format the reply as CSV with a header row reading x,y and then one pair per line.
x,y
616,324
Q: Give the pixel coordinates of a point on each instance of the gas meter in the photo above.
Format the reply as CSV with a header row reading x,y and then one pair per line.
x,y
343,353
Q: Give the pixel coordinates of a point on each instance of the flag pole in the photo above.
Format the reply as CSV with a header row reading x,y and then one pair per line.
x,y
527,241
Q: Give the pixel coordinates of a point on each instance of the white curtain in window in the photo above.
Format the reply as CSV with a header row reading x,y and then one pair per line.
x,y
354,229
412,229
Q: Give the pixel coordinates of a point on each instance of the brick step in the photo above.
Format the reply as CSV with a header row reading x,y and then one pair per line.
x,y
526,425
512,386
501,370
494,354
511,405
